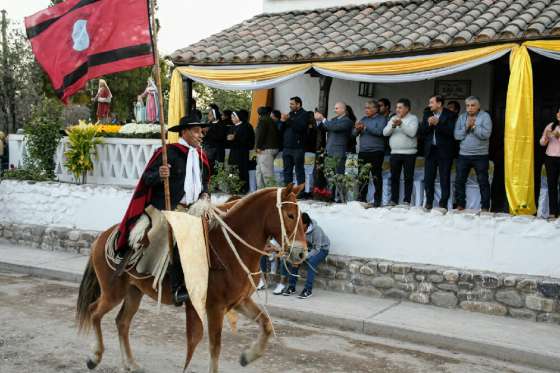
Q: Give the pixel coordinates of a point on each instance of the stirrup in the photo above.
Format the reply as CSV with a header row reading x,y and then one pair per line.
x,y
180,296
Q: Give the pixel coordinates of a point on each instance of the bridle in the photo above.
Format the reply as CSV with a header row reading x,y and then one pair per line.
x,y
286,240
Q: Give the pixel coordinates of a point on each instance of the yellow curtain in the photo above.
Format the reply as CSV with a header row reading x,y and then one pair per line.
x,y
552,45
518,139
412,64
244,75
176,109
262,97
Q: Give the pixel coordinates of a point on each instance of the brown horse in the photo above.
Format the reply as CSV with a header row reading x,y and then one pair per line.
x,y
254,219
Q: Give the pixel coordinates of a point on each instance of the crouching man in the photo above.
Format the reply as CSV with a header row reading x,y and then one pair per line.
x,y
318,244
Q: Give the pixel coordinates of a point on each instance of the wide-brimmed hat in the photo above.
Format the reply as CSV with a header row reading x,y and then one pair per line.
x,y
188,121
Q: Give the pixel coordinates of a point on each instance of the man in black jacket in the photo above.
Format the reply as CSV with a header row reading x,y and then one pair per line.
x,y
293,127
437,127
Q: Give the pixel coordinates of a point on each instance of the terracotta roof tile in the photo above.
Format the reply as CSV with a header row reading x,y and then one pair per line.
x,y
380,28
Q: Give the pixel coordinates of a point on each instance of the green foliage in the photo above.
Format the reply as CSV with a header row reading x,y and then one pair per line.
x,y
233,100
42,136
356,174
226,179
30,173
82,140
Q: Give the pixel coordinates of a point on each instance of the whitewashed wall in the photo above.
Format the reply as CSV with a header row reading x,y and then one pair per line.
x,y
417,92
275,6
500,243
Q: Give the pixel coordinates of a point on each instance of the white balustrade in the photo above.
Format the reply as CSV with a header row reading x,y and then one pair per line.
x,y
120,161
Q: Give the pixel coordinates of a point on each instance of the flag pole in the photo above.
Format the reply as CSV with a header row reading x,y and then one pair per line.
x,y
157,72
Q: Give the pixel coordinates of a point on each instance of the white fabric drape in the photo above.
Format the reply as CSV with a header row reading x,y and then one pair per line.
x,y
546,53
193,178
412,77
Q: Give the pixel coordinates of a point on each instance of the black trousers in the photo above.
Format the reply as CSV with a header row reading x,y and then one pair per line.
x,y
293,158
552,165
398,163
375,160
480,165
437,161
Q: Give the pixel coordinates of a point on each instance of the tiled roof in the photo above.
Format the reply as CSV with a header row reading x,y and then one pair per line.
x,y
377,29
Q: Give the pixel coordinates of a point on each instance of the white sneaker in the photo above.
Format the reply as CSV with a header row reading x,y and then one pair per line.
x,y
261,285
278,289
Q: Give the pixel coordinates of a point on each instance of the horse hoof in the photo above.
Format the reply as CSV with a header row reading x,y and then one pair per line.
x,y
91,364
243,360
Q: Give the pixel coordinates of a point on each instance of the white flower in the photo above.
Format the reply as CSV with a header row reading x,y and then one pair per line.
x,y
139,128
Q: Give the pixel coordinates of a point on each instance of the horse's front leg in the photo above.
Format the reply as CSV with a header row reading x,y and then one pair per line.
x,y
254,312
215,325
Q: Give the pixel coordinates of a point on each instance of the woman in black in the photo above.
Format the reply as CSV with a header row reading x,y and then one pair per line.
x,y
215,137
242,142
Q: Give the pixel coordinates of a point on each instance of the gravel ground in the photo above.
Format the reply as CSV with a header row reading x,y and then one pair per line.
x,y
38,334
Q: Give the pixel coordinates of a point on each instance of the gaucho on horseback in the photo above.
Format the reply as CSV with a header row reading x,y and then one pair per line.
x,y
188,171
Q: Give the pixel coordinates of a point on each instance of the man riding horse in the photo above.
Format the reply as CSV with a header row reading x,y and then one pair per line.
x,y
188,171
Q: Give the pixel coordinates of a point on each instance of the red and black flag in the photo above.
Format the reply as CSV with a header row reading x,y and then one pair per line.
x,y
78,40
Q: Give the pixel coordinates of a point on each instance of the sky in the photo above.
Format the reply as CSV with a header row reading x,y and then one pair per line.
x,y
184,22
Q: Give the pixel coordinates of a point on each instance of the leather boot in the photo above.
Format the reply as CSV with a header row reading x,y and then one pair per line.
x,y
178,289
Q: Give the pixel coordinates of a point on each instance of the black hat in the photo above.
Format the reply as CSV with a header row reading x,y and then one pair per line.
x,y
188,121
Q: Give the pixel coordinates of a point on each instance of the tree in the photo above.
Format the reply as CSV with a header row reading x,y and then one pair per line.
x,y
21,83
233,100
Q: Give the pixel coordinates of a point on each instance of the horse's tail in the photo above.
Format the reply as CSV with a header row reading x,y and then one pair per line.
x,y
89,292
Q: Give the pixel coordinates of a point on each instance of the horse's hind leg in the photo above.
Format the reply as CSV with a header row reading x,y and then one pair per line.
x,y
253,311
98,309
128,310
215,324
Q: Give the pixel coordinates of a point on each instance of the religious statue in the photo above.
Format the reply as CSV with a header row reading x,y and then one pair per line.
x,y
152,101
139,110
103,98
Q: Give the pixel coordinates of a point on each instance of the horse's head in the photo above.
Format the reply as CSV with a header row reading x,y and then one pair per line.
x,y
284,224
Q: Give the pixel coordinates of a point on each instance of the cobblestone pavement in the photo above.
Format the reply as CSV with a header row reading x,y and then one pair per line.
x,y
37,334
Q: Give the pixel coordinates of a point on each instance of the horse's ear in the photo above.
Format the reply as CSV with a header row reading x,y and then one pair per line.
x,y
298,189
287,190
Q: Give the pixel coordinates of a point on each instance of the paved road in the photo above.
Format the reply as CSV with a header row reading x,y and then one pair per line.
x,y
37,334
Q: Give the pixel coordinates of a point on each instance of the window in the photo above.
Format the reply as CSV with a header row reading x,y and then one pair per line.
x,y
366,89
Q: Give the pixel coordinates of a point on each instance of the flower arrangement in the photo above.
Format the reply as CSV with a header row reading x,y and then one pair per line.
x,y
129,130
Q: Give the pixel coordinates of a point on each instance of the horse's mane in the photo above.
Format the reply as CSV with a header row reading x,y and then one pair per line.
x,y
248,198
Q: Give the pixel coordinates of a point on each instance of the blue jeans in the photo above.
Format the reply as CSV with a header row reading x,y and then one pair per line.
x,y
312,262
464,165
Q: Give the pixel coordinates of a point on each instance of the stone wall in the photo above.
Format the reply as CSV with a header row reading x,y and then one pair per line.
x,y
516,296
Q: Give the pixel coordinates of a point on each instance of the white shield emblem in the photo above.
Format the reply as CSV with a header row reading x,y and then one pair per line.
x,y
80,35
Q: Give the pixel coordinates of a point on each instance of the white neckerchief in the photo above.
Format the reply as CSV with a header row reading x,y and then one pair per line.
x,y
193,179
309,228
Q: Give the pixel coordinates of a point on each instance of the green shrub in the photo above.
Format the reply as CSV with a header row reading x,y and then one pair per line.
x,y
226,179
42,136
356,174
82,141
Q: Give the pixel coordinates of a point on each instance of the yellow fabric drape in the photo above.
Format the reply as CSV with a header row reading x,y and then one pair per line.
x,y
262,97
518,147
413,64
243,75
551,45
176,109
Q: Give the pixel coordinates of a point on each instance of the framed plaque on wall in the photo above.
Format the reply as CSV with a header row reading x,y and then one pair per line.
x,y
453,89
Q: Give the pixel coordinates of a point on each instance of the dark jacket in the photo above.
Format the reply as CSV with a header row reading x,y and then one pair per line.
x,y
242,144
178,162
443,133
339,134
267,135
216,136
293,130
